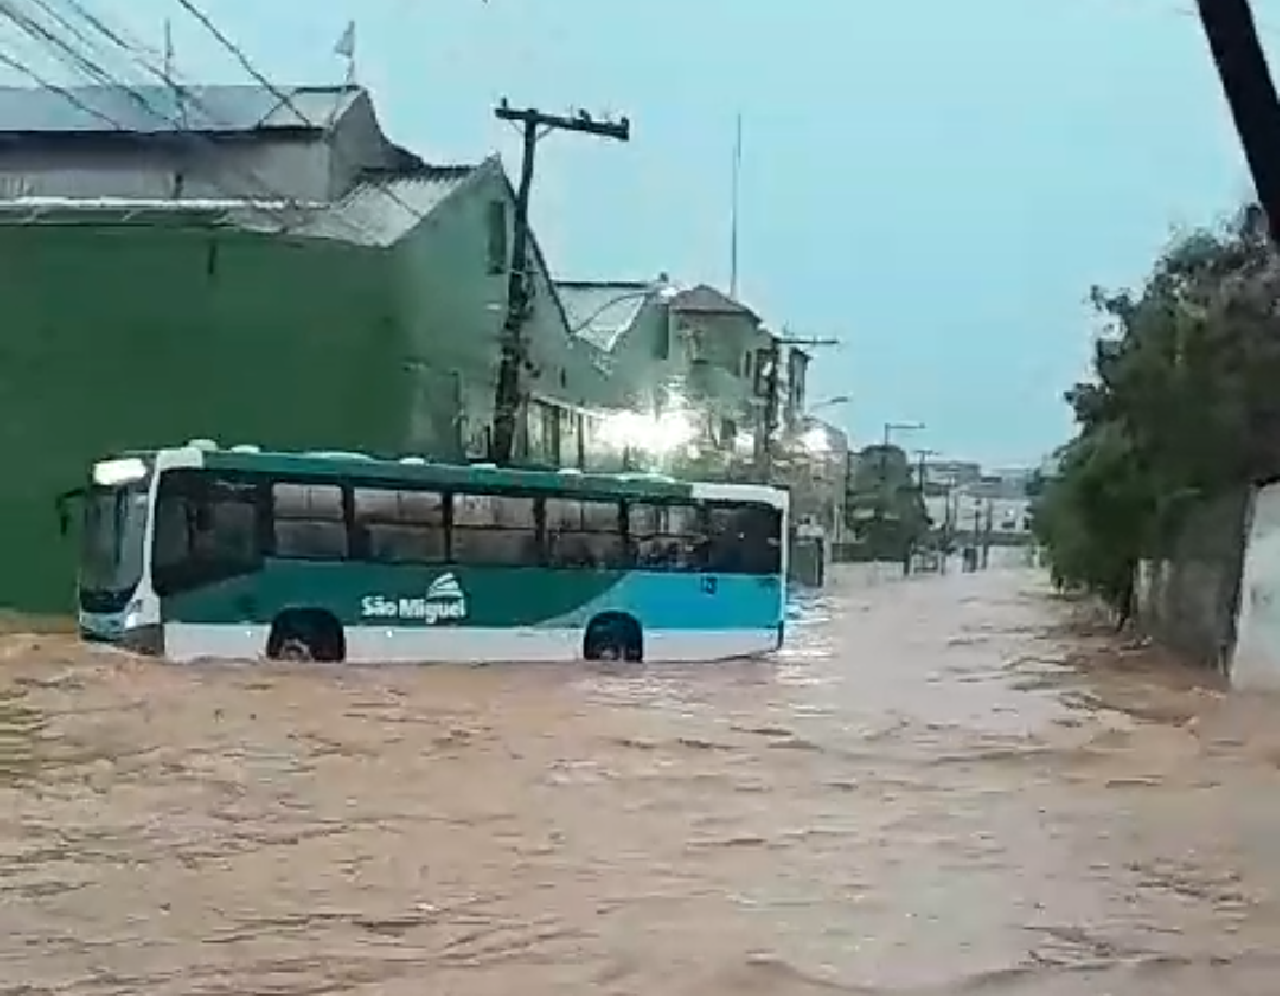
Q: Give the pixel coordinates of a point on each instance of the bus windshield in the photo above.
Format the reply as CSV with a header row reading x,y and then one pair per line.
x,y
111,556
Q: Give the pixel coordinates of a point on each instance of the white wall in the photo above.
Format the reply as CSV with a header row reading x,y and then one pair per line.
x,y
1255,664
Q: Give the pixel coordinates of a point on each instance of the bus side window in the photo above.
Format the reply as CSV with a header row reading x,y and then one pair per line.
x,y
400,527
205,530
666,536
584,534
494,530
308,521
745,539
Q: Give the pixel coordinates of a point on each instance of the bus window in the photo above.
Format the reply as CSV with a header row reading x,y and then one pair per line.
x,y
494,530
666,537
206,529
745,539
401,527
308,522
584,533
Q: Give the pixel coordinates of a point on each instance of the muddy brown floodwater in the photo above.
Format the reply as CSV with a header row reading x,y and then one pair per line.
x,y
922,796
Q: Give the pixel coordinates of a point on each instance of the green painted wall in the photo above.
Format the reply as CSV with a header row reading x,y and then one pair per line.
x,y
119,337
453,308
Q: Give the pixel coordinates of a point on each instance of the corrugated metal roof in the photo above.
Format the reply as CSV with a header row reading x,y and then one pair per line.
x,y
381,212
600,313
376,213
159,109
706,300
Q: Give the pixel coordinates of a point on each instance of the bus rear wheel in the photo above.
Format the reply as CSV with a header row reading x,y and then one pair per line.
x,y
613,636
307,635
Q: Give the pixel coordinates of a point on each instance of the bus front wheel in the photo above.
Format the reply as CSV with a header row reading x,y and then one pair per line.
x,y
613,636
307,635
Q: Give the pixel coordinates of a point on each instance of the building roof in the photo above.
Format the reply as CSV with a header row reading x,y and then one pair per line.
x,y
383,210
377,212
149,110
602,311
705,299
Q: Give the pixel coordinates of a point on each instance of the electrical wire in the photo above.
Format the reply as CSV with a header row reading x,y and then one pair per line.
x,y
188,97
87,66
238,53
21,67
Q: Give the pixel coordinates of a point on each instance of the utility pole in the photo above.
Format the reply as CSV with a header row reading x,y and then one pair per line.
x,y
771,399
986,533
1237,53
921,456
533,125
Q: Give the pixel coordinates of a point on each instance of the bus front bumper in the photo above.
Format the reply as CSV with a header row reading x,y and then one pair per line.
x,y
112,629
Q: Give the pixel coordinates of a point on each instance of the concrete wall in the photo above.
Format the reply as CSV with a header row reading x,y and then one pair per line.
x,y
261,167
718,378
1188,600
1255,663
264,165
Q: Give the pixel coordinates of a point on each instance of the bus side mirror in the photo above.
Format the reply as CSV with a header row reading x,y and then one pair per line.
x,y
64,515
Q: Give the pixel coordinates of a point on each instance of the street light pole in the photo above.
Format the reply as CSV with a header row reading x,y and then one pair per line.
x,y
882,492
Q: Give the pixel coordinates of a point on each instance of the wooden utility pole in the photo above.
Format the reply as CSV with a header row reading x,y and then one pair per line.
x,y
771,399
508,396
1232,34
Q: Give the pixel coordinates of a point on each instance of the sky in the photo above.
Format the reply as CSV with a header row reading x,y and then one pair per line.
x,y
936,184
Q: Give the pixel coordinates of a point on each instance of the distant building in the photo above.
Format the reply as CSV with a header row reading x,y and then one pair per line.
x,y
952,472
196,143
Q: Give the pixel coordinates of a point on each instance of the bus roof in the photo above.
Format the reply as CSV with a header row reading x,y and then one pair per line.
x,y
409,469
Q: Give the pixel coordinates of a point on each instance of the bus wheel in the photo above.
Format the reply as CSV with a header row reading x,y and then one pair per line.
x,y
307,635
294,649
613,636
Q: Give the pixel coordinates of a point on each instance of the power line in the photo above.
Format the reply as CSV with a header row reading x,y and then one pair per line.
x,y
287,101
31,74
87,66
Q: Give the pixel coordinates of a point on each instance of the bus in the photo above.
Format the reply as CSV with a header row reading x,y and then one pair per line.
x,y
203,552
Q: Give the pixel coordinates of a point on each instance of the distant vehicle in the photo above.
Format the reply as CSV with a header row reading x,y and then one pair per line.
x,y
202,552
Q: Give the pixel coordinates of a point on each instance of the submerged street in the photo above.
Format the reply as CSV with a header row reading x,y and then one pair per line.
x,y
941,788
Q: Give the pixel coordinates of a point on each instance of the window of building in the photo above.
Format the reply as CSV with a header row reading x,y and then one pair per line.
x,y
498,249
728,433
662,338
584,533
744,539
494,530
746,365
572,442
763,365
308,521
400,527
666,537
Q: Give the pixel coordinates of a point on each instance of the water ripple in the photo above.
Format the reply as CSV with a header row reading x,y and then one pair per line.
x,y
936,789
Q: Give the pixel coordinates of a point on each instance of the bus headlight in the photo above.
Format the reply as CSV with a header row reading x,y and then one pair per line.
x,y
132,616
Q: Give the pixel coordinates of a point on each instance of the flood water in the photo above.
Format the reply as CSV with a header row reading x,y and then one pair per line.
x,y
938,789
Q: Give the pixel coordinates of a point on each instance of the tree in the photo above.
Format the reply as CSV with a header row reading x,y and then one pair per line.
x,y
885,508
1183,405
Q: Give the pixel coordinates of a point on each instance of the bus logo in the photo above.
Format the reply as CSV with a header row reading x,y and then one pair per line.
x,y
445,601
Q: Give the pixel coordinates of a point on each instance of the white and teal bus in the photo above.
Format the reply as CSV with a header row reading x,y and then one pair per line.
x,y
204,552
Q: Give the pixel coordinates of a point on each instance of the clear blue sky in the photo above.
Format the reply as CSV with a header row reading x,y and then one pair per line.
x,y
936,182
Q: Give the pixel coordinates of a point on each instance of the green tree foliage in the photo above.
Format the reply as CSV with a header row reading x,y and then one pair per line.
x,y
1183,404
885,508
